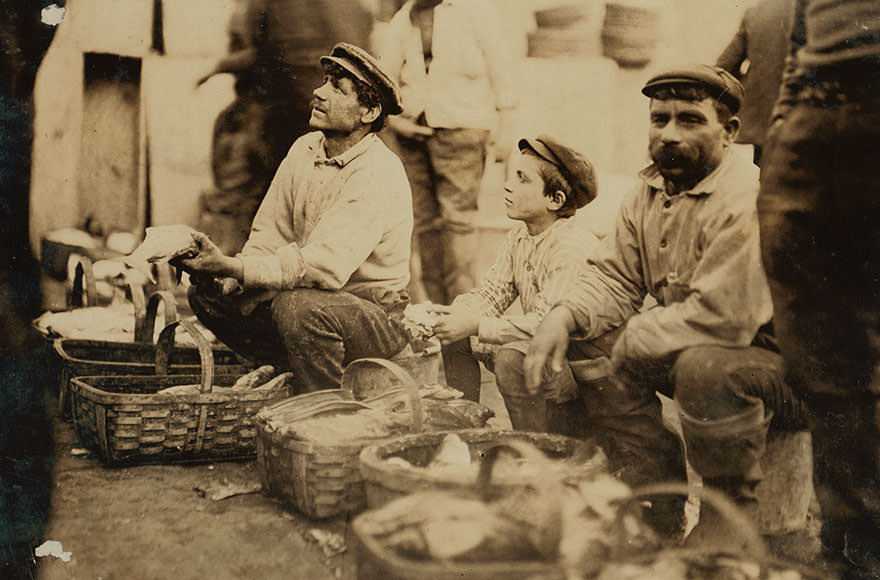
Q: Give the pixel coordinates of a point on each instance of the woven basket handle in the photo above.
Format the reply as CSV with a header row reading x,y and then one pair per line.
x,y
165,344
147,326
718,501
401,375
525,450
84,292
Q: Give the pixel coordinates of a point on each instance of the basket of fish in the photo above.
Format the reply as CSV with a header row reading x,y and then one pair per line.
x,y
309,445
450,461
534,530
174,417
85,357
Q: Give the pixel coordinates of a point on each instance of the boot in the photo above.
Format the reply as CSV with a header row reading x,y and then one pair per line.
x,y
432,265
726,453
527,412
460,251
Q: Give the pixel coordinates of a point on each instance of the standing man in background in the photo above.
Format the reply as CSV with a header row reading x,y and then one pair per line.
x,y
756,56
820,232
453,66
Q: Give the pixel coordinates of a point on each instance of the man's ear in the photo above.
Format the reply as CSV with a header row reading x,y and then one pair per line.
x,y
371,115
556,200
731,130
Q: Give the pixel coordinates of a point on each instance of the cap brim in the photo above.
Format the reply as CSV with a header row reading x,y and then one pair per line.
x,y
542,150
349,66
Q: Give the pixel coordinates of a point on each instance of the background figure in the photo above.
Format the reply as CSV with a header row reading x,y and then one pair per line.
x,y
26,430
274,50
756,56
454,69
820,230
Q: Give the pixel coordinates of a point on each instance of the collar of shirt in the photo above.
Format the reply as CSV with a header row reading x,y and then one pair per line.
x,y
524,234
320,152
652,177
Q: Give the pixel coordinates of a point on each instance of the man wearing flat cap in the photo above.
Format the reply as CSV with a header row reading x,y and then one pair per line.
x,y
688,237
322,276
541,257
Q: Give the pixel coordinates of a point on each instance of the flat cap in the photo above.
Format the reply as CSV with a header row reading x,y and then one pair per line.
x,y
364,67
573,166
718,82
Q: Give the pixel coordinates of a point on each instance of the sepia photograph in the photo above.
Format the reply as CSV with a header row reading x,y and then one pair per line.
x,y
440,289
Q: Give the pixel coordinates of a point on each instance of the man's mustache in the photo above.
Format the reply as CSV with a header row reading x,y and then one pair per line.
x,y
670,156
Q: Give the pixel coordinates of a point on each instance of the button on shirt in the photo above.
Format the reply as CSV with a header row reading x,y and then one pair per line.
x,y
470,73
697,253
343,222
536,269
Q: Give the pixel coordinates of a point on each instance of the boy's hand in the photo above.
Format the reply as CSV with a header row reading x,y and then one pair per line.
x,y
456,323
210,260
549,343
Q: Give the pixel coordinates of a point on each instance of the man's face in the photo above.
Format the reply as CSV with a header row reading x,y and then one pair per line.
x,y
524,190
335,108
686,140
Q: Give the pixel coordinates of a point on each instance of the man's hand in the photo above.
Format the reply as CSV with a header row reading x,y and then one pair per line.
x,y
455,323
209,260
409,129
550,342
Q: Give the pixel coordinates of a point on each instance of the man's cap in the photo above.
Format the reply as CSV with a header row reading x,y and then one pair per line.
x,y
364,67
573,166
718,82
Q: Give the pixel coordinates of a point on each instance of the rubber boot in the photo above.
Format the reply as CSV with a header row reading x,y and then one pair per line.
x,y
726,453
433,265
460,251
527,412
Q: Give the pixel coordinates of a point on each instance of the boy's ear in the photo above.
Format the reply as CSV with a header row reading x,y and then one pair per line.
x,y
556,200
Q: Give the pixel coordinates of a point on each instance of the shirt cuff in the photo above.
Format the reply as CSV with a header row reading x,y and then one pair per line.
x,y
278,271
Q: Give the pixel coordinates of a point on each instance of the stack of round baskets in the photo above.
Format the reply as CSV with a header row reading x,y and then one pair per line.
x,y
562,32
629,32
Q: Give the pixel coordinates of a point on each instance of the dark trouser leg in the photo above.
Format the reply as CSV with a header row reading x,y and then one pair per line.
x,y
253,336
462,369
427,259
325,330
458,157
819,214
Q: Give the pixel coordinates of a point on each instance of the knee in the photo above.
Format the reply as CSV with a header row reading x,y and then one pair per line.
x,y
509,372
293,309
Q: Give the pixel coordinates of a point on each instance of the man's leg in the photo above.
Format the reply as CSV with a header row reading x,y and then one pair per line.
x,y
462,369
728,397
426,262
325,330
819,214
252,336
458,157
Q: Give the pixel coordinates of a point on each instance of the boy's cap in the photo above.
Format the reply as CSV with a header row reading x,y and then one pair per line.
x,y
364,67
575,168
720,84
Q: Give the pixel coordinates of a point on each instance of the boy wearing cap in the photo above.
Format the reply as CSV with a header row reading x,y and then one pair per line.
x,y
688,236
542,255
325,267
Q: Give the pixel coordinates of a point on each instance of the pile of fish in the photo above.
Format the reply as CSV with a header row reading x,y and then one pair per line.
x,y
259,380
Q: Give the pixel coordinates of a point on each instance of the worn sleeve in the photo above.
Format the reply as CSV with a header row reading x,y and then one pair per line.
x,y
497,290
390,46
490,35
568,260
612,287
735,53
791,83
728,299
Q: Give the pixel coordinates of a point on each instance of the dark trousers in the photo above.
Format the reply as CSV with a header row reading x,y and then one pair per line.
x,y
820,230
313,333
445,172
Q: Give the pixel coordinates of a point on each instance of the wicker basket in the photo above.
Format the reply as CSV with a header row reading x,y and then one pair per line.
x,y
324,480
126,420
377,561
79,357
385,481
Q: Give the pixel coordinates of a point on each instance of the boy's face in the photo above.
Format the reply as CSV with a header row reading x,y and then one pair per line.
x,y
524,191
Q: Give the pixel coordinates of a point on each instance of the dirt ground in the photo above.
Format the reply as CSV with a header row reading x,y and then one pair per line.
x,y
151,522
